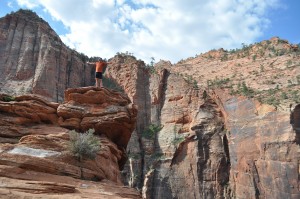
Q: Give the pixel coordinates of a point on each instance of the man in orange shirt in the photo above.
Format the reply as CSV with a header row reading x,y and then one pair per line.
x,y
100,65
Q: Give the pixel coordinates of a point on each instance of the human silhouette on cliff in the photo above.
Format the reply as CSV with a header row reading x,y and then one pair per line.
x,y
100,65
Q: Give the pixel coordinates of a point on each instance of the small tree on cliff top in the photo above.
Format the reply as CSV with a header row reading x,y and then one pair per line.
x,y
84,145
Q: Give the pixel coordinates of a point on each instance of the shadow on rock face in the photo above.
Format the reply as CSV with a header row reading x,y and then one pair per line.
x,y
295,122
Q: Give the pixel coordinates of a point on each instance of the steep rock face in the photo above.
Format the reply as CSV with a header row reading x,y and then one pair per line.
x,y
34,155
262,127
34,60
134,78
204,143
191,160
178,151
264,149
189,142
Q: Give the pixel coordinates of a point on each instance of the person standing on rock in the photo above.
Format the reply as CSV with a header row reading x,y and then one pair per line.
x,y
100,65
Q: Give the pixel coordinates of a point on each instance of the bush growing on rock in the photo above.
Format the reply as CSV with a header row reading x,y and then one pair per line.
x,y
151,130
84,145
7,98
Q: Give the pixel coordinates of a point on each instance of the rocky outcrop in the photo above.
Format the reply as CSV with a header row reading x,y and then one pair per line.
x,y
181,150
223,124
268,71
134,79
34,60
204,143
34,145
109,113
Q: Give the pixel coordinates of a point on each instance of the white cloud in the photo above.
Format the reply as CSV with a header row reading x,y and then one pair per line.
x,y
31,4
10,4
170,29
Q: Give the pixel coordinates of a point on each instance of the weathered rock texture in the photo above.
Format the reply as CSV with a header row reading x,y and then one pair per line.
x,y
34,156
264,149
187,156
109,113
224,124
269,71
207,143
34,60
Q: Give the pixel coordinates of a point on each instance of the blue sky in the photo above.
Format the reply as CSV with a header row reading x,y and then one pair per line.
x,y
169,30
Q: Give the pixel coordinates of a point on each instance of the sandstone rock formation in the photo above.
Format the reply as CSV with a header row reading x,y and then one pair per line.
x,y
223,124
268,70
209,144
108,112
32,56
34,158
187,157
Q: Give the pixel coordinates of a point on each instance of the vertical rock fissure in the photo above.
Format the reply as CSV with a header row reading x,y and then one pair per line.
x,y
201,164
34,57
295,122
58,58
13,36
162,90
83,82
226,149
155,185
21,42
255,180
11,48
69,66
38,56
143,120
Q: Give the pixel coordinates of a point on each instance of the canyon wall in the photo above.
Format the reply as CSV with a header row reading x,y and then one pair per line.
x,y
32,56
194,141
179,148
223,124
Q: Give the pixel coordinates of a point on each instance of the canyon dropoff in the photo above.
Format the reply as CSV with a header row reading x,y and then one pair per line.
x,y
223,124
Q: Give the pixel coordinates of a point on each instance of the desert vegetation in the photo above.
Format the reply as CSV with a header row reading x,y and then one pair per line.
x,y
84,145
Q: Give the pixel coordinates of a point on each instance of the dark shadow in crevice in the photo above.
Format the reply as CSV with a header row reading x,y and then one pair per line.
x,y
295,122
226,149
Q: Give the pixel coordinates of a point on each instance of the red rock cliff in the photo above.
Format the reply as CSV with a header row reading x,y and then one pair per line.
x,y
206,144
34,156
204,129
34,60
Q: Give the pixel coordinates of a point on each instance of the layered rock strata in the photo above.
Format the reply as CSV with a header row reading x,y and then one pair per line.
x,y
197,135
34,152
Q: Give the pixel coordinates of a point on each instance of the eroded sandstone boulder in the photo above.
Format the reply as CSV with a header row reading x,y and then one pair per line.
x,y
34,148
108,112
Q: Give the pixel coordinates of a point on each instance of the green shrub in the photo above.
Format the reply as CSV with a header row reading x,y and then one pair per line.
x,y
284,95
157,156
219,83
8,98
244,90
84,145
272,101
151,130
